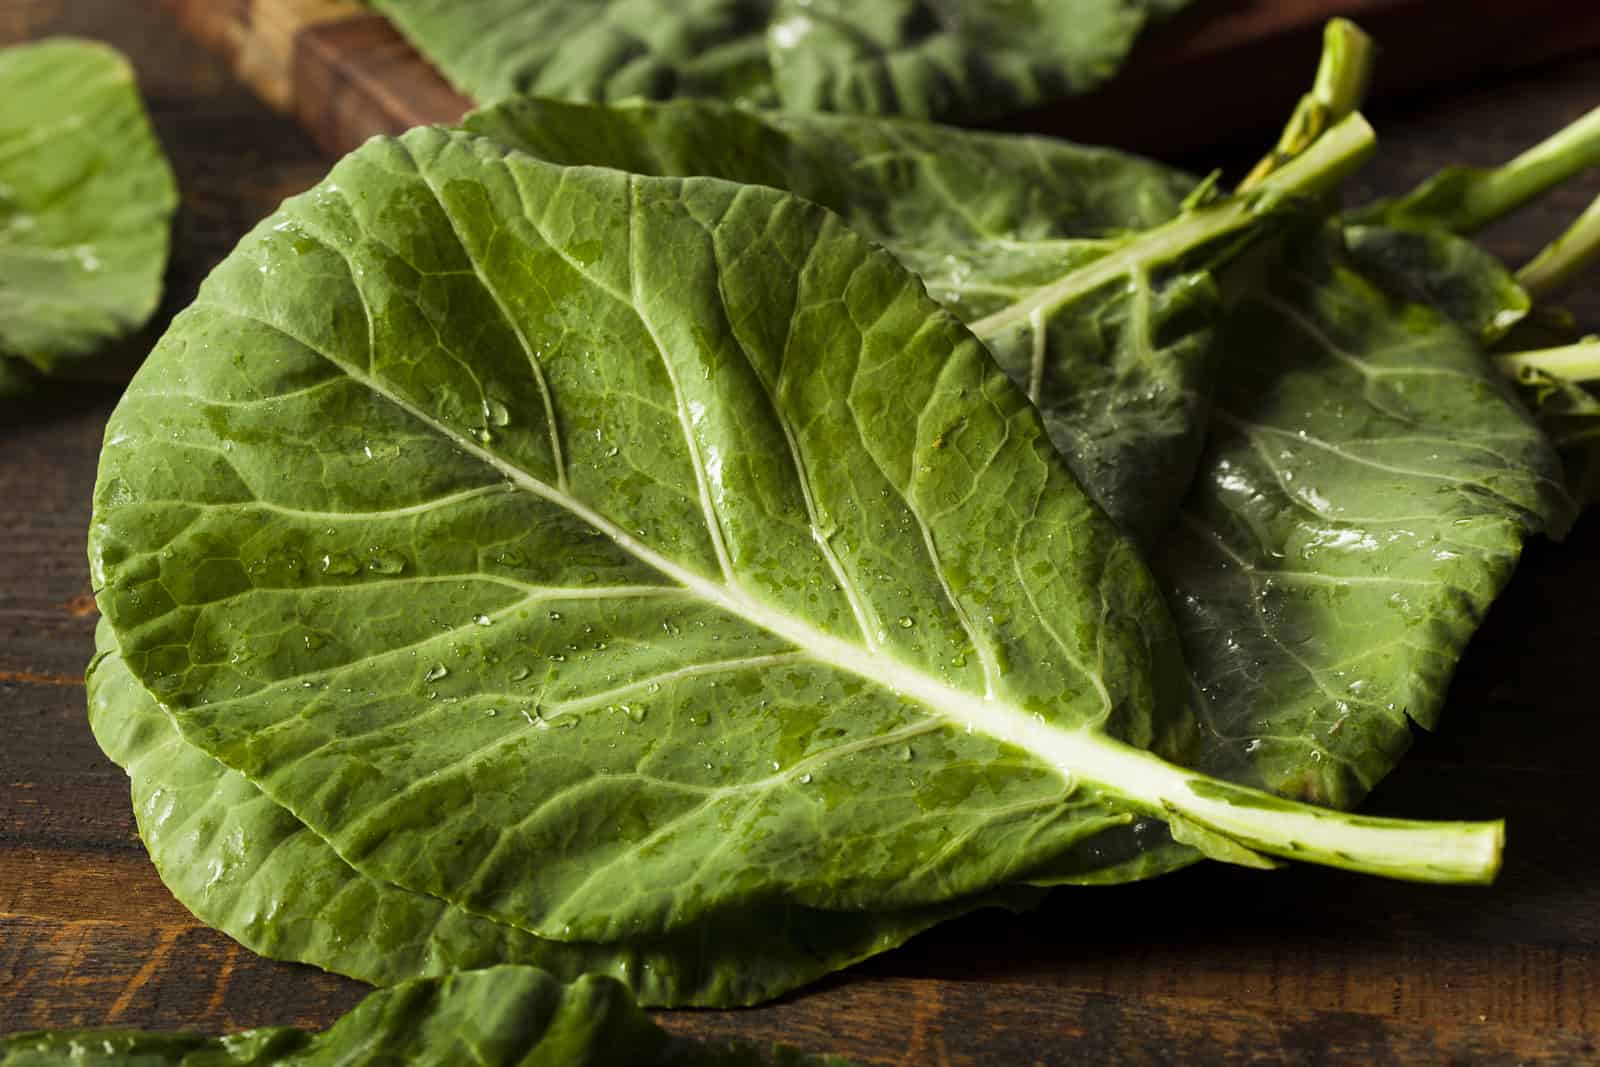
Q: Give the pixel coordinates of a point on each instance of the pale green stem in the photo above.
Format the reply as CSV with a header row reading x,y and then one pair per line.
x,y
1565,257
1544,166
1573,363
1406,849
1342,79
1463,200
1318,170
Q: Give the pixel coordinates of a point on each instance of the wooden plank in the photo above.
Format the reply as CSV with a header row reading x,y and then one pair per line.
x,y
1218,72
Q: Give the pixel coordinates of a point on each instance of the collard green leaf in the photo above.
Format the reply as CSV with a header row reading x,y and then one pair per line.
x,y
517,478
1083,270
246,866
766,510
499,1017
86,200
1365,496
1457,277
951,59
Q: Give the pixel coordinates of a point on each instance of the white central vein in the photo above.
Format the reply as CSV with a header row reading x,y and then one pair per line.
x,y
1036,373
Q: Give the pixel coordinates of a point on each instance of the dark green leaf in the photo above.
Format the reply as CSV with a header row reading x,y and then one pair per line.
x,y
949,59
1367,491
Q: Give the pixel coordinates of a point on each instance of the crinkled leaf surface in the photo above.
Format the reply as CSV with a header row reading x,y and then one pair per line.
x,y
86,200
951,59
1034,243
246,866
474,490
1368,487
499,1017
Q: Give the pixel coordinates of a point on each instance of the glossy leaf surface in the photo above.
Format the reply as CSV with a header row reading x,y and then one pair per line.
x,y
86,200
951,59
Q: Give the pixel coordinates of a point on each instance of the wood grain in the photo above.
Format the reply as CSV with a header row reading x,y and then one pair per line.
x,y
1225,69
1207,966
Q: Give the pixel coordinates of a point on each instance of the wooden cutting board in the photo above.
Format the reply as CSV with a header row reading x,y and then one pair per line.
x,y
1226,69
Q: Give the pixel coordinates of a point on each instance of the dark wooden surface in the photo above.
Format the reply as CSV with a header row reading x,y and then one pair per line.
x,y
1209,966
346,74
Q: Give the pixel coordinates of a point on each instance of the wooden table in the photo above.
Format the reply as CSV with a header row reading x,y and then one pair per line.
x,y
1212,965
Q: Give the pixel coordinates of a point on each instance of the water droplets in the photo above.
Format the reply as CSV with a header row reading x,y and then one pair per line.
x,y
482,620
385,562
340,564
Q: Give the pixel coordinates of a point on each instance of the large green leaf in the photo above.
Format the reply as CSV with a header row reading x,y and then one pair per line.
x,y
246,866
1082,269
86,200
602,553
499,1017
1368,487
948,59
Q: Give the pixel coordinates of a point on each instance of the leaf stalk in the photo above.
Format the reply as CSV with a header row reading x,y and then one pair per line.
x,y
1565,258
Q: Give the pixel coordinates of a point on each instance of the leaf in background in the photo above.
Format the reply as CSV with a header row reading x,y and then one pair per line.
x,y
499,1017
1367,491
247,867
950,59
86,200
1082,269
602,553
944,59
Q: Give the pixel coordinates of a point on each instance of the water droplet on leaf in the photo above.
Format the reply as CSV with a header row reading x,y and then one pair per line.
x,y
383,561
339,564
